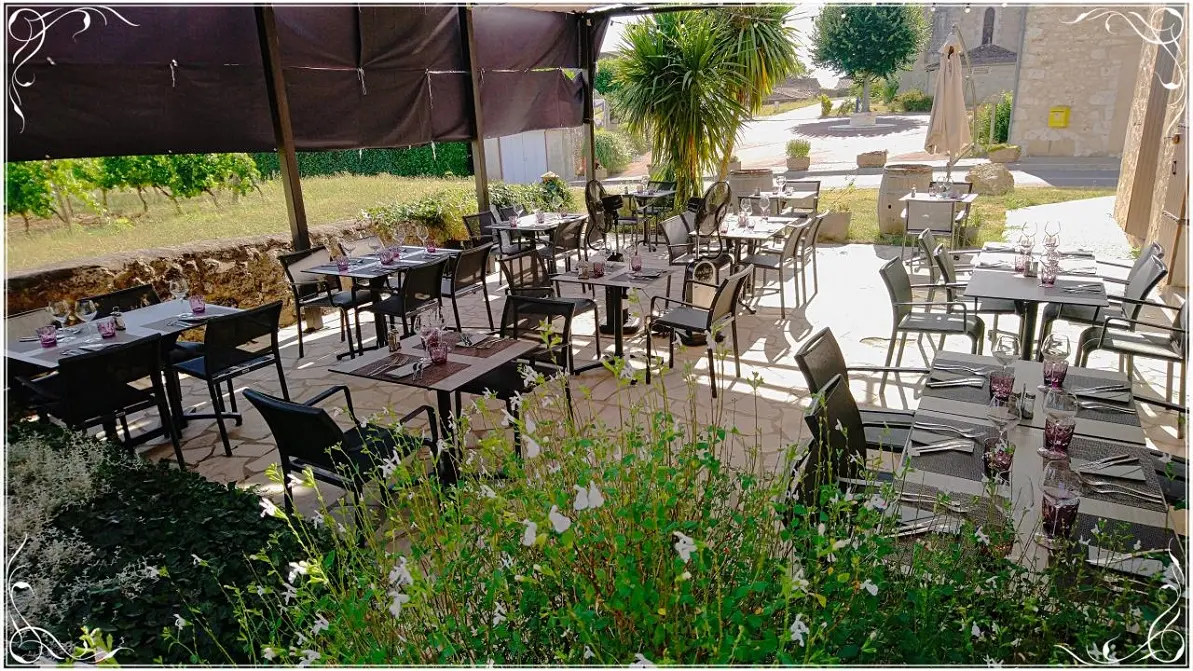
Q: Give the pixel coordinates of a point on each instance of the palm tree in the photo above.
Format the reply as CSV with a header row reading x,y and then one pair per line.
x,y
680,90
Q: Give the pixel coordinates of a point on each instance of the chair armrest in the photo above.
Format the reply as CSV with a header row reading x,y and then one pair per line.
x,y
1130,325
434,424
668,300
889,369
1136,301
964,308
1114,264
1162,403
331,391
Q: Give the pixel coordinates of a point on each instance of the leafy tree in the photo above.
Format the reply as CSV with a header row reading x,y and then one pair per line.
x,y
27,190
868,42
135,172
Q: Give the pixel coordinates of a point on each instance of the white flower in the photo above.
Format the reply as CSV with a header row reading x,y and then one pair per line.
x,y
684,546
290,593
487,492
340,528
875,501
196,560
506,560
270,510
269,653
797,580
798,629
318,520
390,465
260,590
529,376
870,587
837,545
820,529
982,538
554,468
559,522
308,656
399,575
531,532
975,631
395,607
180,622
993,663
499,613
321,624
296,480
588,653
533,449
1164,458
297,569
639,660
1138,545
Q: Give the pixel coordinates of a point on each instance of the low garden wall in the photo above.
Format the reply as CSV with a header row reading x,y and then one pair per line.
x,y
240,272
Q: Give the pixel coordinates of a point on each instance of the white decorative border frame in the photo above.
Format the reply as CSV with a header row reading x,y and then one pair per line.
x,y
1150,28
28,27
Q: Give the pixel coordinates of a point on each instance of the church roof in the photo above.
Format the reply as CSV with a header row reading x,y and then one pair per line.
x,y
986,54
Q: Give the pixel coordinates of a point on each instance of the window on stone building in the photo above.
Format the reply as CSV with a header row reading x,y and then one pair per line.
x,y
988,26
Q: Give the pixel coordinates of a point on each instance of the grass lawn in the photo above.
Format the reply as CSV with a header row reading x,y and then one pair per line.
x,y
331,199
779,108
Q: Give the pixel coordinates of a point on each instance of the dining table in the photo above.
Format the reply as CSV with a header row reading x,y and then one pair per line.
x,y
369,269
410,366
644,197
993,277
528,225
779,198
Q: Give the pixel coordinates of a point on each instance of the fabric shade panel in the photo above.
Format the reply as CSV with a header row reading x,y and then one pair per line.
x,y
155,80
948,125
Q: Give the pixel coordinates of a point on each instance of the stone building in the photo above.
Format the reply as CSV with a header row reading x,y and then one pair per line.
x,y
1053,64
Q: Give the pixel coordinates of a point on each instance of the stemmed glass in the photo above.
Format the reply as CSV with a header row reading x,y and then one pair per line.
x,y
1006,349
1051,235
781,182
422,233
349,246
643,182
59,310
179,289
1029,232
1061,498
1004,414
87,309
764,203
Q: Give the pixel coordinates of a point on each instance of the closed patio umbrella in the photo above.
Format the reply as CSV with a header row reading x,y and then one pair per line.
x,y
948,127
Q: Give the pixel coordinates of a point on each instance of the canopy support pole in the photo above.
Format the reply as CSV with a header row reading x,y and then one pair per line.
x,y
283,132
967,87
589,94
479,166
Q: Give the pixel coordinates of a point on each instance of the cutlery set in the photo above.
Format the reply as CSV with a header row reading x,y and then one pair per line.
x,y
1082,288
955,445
973,381
936,524
963,368
921,499
964,433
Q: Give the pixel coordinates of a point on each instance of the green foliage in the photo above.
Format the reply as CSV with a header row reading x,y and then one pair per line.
x,y
27,189
613,151
146,532
826,105
888,90
845,107
1002,121
797,148
440,159
868,42
914,101
662,538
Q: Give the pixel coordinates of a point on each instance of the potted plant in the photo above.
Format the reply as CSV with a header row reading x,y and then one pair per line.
x,y
734,163
601,173
1003,153
797,154
837,215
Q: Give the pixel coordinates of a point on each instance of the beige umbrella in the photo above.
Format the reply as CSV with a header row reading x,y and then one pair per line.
x,y
948,127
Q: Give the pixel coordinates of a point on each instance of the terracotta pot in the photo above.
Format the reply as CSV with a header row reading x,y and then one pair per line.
x,y
835,227
798,164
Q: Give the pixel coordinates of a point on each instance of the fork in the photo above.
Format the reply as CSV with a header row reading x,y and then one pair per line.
x,y
968,369
1107,487
912,497
959,382
965,433
1090,405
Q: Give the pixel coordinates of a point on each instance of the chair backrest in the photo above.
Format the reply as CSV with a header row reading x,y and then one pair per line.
x,y
807,205
566,237
843,449
526,316
232,339
526,272
813,232
25,324
302,432
791,243
506,212
959,187
898,286
125,300
944,263
295,264
470,266
922,214
423,284
725,301
1180,338
1141,282
820,360
1145,255
677,237
926,241
479,225
94,383
717,200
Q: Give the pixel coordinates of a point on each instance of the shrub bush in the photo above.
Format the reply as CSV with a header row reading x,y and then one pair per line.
x,y
663,539
438,160
113,542
797,148
888,90
846,107
914,101
826,105
612,150
1002,121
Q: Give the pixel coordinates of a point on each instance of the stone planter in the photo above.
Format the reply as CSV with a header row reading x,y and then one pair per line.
x,y
734,166
835,227
863,120
798,163
871,159
1008,154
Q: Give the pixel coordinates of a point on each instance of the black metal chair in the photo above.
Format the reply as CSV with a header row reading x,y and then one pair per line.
x,y
467,275
677,237
706,221
1171,345
124,300
25,325
951,282
97,389
840,433
526,274
1124,308
654,209
906,320
820,360
693,319
307,436
422,287
779,260
808,246
920,215
231,348
310,290
1116,273
564,241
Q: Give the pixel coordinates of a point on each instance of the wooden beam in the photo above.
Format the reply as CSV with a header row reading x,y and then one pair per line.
x,y
589,94
283,132
479,169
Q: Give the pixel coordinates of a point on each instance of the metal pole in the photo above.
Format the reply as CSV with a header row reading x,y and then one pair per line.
x,y
474,102
589,94
283,132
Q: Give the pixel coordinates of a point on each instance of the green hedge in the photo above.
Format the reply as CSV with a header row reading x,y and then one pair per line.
x,y
155,515
914,101
445,159
613,150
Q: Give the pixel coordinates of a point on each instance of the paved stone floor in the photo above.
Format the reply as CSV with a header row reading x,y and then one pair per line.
x,y
851,299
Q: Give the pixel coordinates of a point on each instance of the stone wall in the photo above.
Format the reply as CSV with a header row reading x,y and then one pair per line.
x,y
240,272
1084,66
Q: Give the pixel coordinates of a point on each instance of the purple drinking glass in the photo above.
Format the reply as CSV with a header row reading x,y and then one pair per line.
x,y
1002,382
1048,272
387,256
47,336
439,353
1055,370
1061,493
342,263
106,327
198,307
1021,261
1058,434
998,457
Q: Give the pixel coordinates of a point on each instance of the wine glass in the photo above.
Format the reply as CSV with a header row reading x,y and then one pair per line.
x,y
1061,491
348,245
1029,232
1060,421
781,182
1004,414
59,310
643,182
86,310
1006,349
179,289
764,203
422,233
1052,235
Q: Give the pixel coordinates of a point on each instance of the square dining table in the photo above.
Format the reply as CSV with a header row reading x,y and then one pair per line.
x,y
463,366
